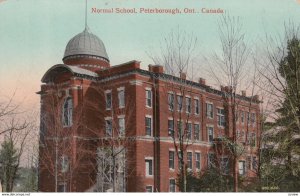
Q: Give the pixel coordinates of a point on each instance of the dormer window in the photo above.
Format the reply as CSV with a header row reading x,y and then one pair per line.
x,y
67,112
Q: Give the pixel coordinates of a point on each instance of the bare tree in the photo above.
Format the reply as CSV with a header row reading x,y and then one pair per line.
x,y
229,68
177,55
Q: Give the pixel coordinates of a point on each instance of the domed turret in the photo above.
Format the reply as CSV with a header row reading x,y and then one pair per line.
x,y
86,48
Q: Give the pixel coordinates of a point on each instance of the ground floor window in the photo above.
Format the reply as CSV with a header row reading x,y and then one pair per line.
x,y
172,186
62,187
149,189
242,168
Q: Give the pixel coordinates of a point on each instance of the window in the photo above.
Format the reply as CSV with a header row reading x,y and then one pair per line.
x,y
171,159
253,139
62,187
209,110
68,112
242,169
148,126
188,105
224,165
248,117
149,189
121,97
198,160
210,160
149,167
179,103
243,136
236,115
171,101
242,116
197,132
121,126
210,134
248,163
254,163
172,187
108,100
64,164
189,131
149,98
171,128
190,160
253,118
108,127
221,117
197,106
179,128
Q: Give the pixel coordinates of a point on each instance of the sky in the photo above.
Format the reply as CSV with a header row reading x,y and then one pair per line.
x,y
34,33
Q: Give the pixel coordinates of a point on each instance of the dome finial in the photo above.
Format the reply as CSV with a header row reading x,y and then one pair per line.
x,y
86,26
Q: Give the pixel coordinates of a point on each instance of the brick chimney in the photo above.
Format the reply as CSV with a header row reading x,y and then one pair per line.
x,y
183,75
202,81
156,68
244,93
256,97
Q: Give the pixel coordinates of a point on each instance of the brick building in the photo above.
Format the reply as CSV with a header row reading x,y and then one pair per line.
x,y
94,115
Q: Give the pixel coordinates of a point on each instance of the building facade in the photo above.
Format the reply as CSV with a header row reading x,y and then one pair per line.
x,y
119,128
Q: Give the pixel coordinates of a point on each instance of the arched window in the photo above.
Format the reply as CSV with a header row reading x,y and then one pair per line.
x,y
67,112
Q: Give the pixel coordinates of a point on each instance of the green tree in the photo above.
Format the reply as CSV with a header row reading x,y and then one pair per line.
x,y
8,165
280,168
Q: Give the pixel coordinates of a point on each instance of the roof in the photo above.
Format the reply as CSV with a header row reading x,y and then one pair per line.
x,y
86,43
61,68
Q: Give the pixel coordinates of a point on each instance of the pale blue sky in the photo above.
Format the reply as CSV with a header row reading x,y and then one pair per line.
x,y
34,33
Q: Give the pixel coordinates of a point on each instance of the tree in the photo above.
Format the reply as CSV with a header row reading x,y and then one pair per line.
x,y
177,56
229,68
281,71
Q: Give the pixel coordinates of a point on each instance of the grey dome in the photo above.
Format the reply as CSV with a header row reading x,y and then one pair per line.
x,y
86,43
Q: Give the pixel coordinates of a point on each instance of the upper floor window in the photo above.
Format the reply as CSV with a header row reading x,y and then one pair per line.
x,y
171,98
121,126
188,103
190,160
171,128
121,97
197,132
198,160
108,100
179,128
68,112
171,159
149,98
253,118
242,116
197,106
189,131
221,117
210,134
148,126
108,127
179,103
149,167
209,110
64,164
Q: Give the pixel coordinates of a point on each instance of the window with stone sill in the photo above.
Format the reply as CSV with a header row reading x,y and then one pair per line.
x,y
67,112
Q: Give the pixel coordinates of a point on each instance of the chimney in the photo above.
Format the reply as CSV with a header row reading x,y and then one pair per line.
x,y
183,75
202,81
222,88
156,68
244,93
256,97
